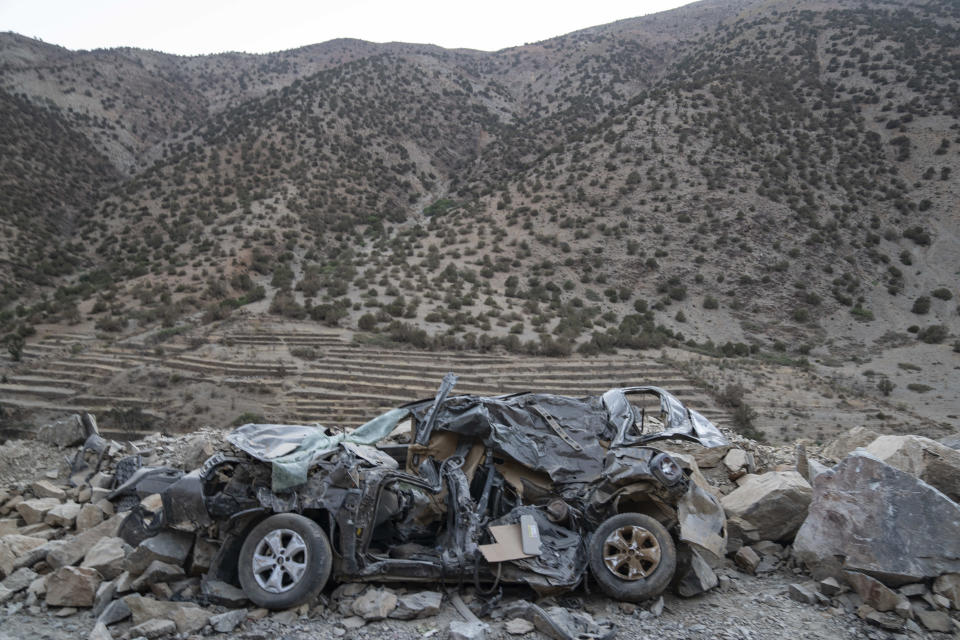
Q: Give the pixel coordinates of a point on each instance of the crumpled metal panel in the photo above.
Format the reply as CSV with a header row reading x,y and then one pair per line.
x,y
293,449
703,522
679,421
518,427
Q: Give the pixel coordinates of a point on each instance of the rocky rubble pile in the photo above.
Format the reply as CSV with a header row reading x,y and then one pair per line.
x,y
877,534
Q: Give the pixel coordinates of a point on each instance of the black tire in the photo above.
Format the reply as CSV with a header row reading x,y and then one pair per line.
x,y
631,574
295,585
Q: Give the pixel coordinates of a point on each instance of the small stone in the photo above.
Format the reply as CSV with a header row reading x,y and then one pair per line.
x,y
100,632
114,612
257,614
46,489
914,590
699,577
417,605
171,547
90,515
627,607
829,586
467,630
747,559
801,593
935,620
518,626
189,618
19,579
65,612
948,586
656,609
353,622
375,604
224,594
157,572
8,526
160,590
63,515
107,556
34,511
73,587
227,622
155,628
202,556
874,592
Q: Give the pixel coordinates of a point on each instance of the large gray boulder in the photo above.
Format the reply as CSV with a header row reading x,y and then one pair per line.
x,y
770,506
869,516
66,432
934,463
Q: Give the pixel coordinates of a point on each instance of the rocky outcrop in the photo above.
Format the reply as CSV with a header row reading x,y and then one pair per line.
x,y
871,517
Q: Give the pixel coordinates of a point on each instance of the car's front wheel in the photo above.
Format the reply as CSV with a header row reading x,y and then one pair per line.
x,y
632,557
284,562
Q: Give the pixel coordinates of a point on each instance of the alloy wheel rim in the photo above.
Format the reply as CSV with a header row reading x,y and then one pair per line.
x,y
280,560
631,553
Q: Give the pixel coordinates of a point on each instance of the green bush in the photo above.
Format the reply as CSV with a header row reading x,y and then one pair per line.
x,y
921,305
934,334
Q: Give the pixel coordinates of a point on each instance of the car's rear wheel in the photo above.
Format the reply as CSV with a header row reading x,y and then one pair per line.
x,y
284,562
632,557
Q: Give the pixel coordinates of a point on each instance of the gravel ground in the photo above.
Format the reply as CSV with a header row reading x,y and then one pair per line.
x,y
745,608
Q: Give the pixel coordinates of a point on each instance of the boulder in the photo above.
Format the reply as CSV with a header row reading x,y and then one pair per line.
x,y
375,604
63,515
46,489
34,511
72,550
189,618
870,517
171,547
951,441
107,556
770,506
845,443
417,605
66,432
73,587
936,464
737,460
708,458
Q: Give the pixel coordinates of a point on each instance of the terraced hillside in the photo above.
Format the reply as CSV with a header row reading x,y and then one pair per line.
x,y
256,373
774,174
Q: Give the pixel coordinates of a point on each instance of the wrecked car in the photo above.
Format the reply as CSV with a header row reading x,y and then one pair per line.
x,y
529,488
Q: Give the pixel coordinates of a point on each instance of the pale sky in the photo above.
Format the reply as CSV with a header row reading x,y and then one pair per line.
x,y
191,27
